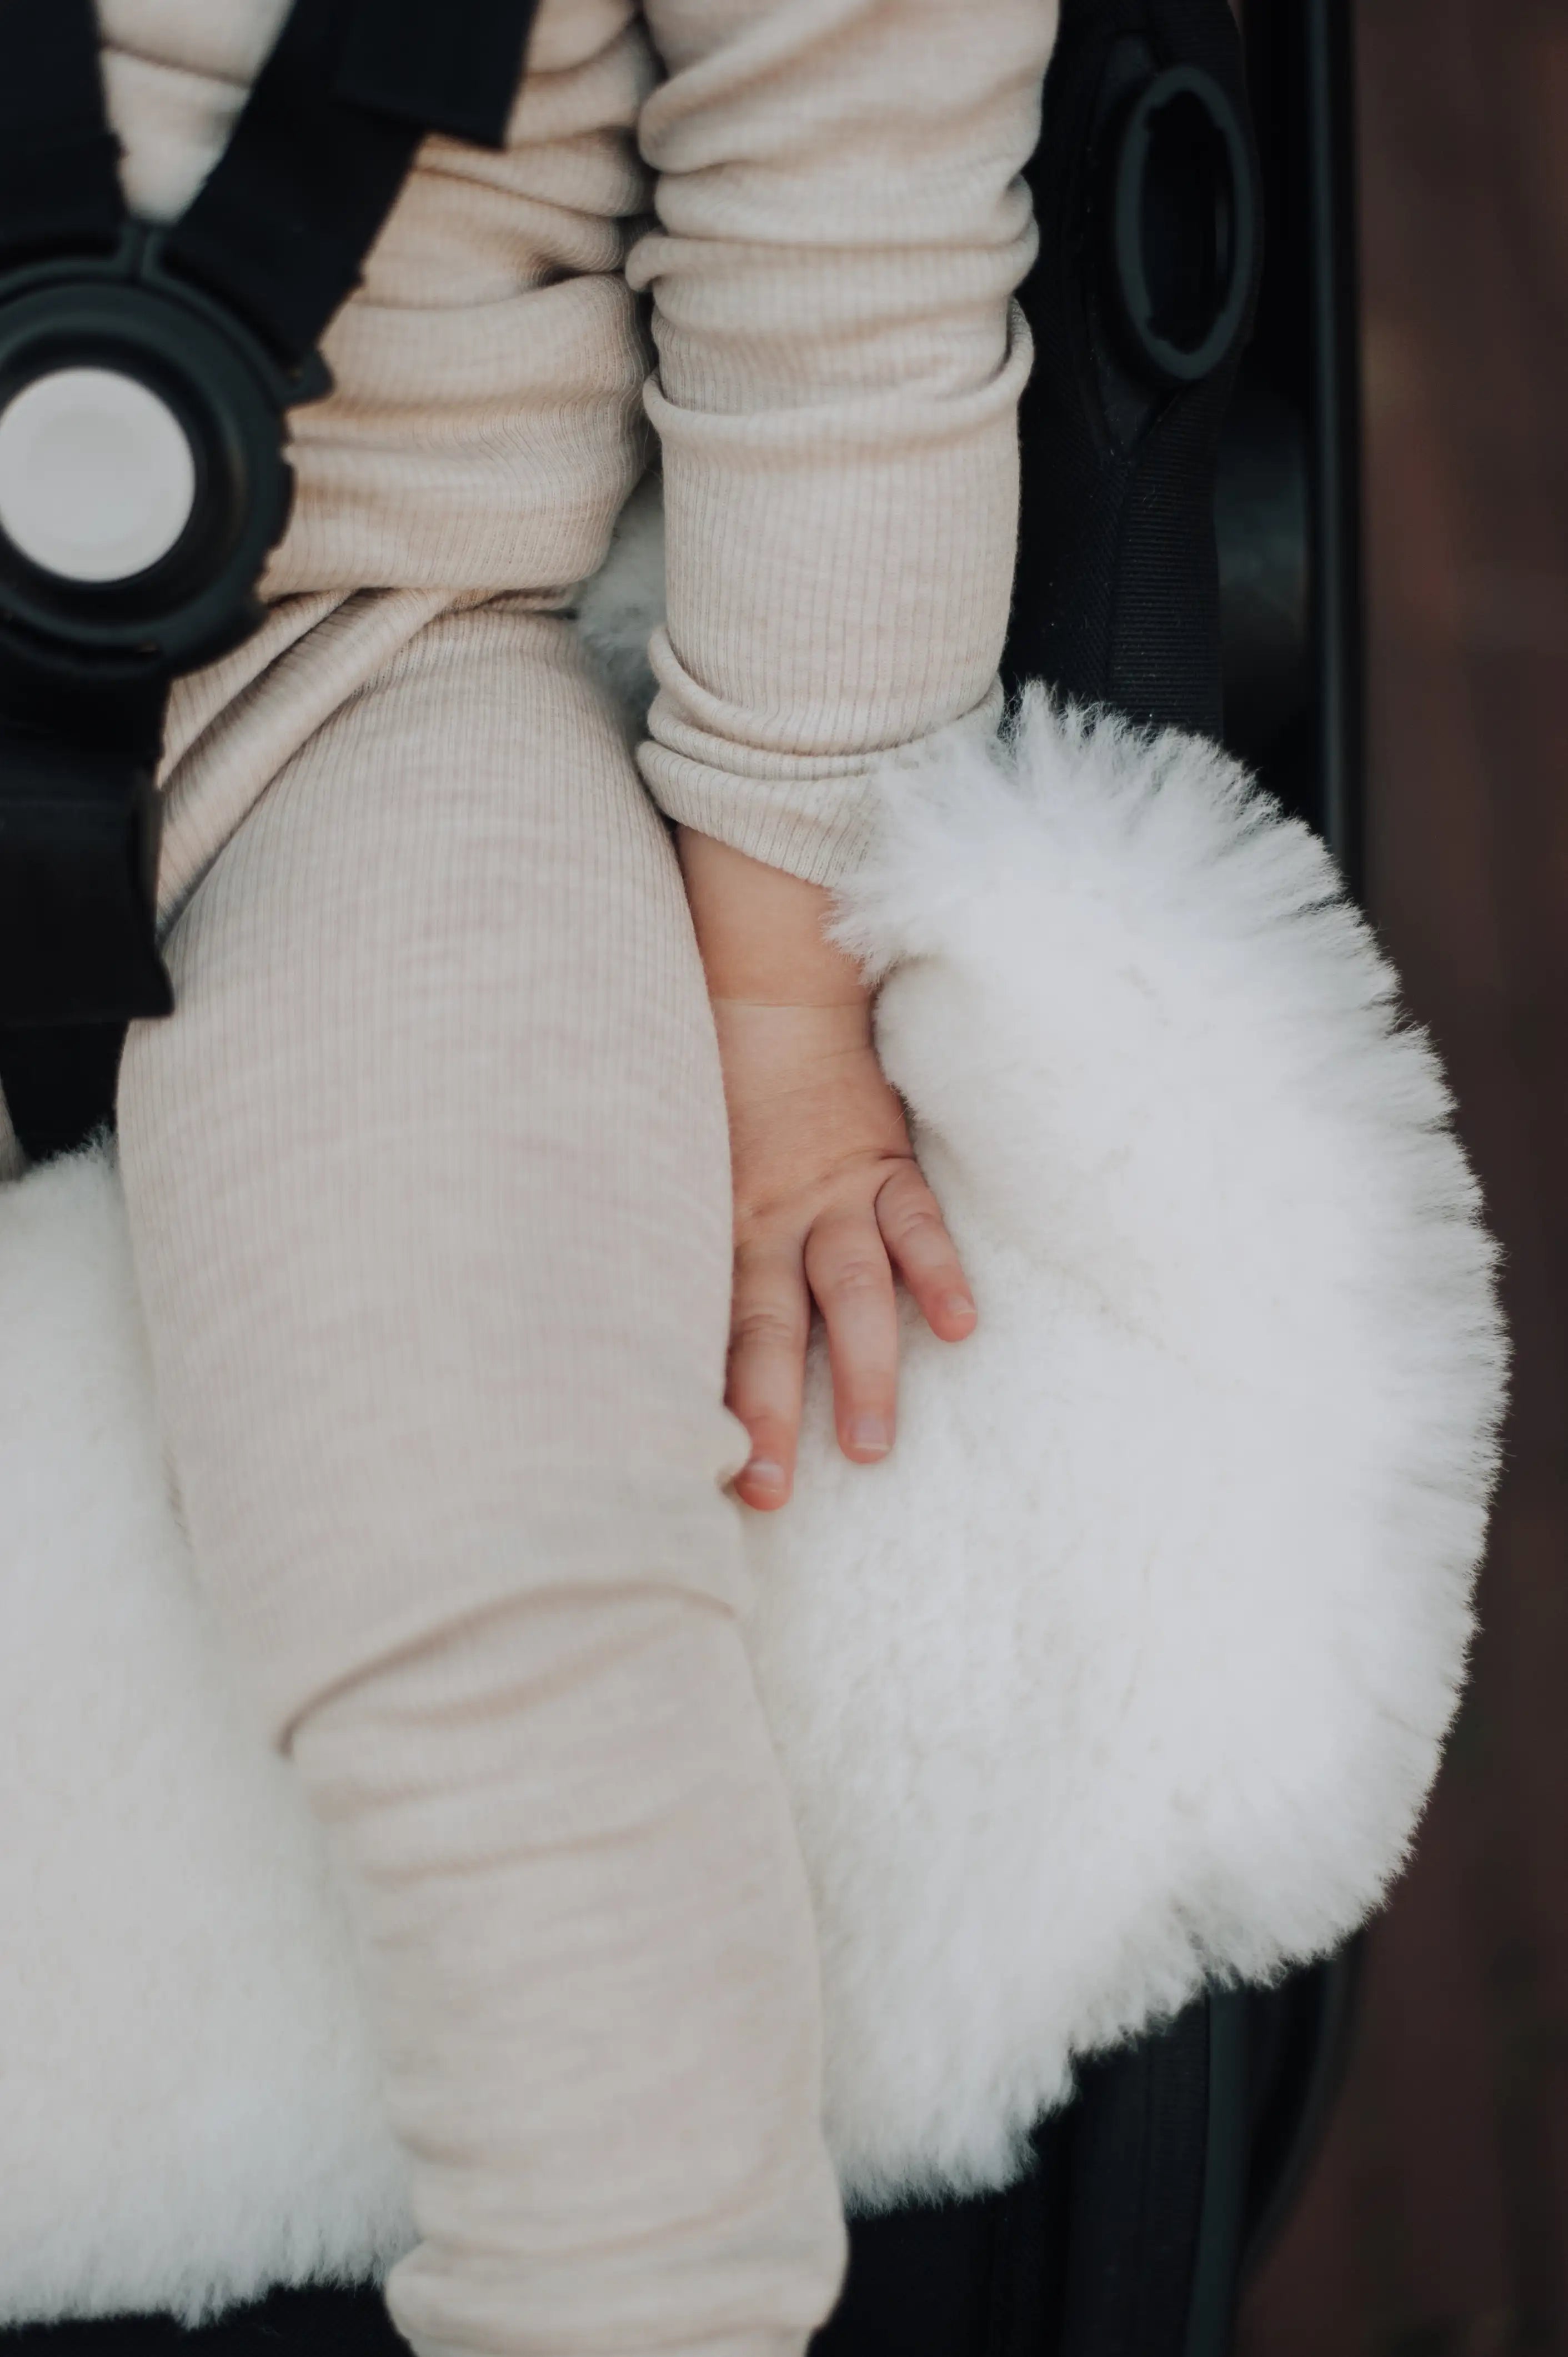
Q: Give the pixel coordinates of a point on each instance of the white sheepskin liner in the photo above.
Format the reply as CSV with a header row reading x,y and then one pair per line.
x,y
1129,1668
190,2108
1131,1665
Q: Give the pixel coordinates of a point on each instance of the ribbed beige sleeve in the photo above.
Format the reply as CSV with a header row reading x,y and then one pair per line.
x,y
842,225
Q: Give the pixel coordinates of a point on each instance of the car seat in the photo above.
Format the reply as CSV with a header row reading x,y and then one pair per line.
x,y
1188,553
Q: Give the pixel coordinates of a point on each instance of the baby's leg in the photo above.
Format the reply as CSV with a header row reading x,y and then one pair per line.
x,y
428,1188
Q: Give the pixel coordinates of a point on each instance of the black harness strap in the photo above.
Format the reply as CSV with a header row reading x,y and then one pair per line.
x,y
78,850
60,1083
1123,609
280,226
454,69
60,183
278,232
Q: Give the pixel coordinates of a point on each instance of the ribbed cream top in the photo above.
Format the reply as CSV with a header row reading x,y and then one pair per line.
x,y
840,228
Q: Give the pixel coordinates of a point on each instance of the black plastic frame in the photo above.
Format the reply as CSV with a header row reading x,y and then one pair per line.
x,y
1289,497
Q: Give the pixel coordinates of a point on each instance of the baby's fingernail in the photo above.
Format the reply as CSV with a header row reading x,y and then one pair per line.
x,y
958,1305
764,1474
871,1433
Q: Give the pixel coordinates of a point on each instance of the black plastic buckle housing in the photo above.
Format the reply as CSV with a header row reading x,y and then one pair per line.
x,y
85,666
1183,229
126,313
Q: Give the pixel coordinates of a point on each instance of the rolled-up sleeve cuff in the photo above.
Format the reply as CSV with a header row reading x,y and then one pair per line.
x,y
814,815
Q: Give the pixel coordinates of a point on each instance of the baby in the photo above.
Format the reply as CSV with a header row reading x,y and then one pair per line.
x,y
516,1111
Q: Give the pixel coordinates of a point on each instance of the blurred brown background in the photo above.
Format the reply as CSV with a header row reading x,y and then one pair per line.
x,y
1435,2223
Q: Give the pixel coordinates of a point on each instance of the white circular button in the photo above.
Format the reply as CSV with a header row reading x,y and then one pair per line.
x,y
97,480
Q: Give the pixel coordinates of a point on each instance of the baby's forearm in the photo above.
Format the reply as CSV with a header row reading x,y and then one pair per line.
x,y
760,931
828,1198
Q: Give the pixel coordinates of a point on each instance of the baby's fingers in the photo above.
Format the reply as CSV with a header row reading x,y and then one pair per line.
x,y
923,1253
770,1318
847,1263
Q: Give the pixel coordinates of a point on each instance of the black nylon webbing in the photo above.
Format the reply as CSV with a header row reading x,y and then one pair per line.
x,y
1120,605
60,1083
454,68
279,231
77,851
282,225
60,182
1139,2133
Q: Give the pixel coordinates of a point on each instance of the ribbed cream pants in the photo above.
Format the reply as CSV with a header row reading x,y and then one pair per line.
x,y
428,1185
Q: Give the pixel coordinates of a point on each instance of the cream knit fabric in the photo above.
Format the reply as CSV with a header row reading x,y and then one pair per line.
x,y
841,227
427,1173
428,1199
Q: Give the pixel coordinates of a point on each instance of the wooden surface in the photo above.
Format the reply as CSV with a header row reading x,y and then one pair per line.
x,y
1437,2222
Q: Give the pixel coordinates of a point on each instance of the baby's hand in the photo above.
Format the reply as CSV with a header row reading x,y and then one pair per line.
x,y
828,1201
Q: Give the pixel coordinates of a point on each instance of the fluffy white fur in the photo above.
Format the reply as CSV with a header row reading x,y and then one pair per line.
x,y
618,609
188,2103
1129,1667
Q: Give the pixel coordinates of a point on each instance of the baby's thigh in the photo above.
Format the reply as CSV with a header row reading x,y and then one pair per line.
x,y
428,1173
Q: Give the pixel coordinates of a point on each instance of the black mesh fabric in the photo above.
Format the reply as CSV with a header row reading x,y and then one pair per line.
x,y
1117,600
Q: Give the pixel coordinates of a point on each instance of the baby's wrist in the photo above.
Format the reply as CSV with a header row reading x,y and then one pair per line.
x,y
761,931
